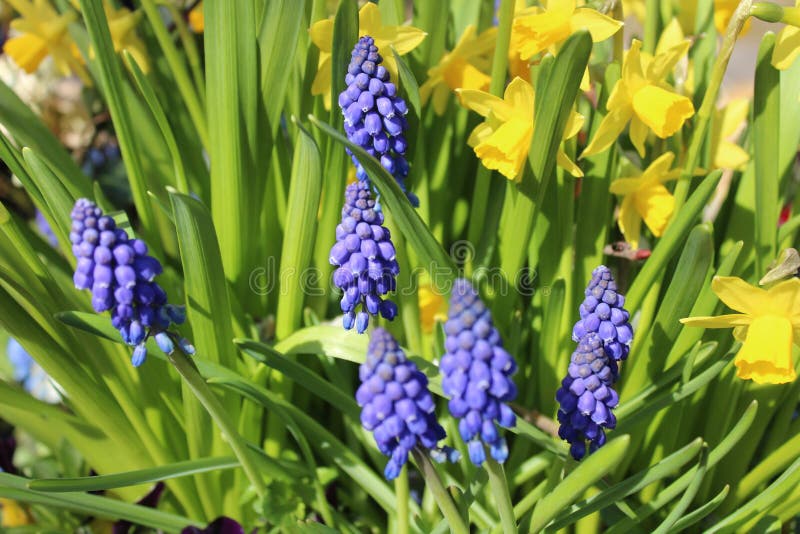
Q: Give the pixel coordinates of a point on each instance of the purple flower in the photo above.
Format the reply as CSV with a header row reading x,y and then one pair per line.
x,y
221,525
476,375
120,273
602,313
396,405
374,115
586,397
365,256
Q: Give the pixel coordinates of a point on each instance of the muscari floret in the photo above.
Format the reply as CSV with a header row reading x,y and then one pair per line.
x,y
586,397
374,115
120,273
602,312
477,374
365,256
396,405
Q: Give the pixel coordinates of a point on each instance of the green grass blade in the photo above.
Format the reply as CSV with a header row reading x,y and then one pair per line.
x,y
687,497
698,514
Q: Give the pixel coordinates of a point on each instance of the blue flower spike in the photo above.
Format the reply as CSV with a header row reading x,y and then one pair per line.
x,y
476,375
374,115
365,257
120,274
396,405
603,313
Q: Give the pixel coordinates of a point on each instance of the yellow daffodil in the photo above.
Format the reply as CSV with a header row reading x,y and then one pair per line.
x,y
634,8
404,39
121,24
727,154
646,198
787,43
465,67
642,98
43,32
768,324
723,12
14,515
197,20
687,15
431,307
502,141
549,28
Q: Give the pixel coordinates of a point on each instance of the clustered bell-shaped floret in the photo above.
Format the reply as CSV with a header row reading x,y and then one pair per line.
x,y
586,397
120,274
602,313
374,114
365,256
477,374
396,405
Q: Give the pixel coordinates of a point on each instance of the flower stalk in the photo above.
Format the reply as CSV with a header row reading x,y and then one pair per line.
x,y
440,494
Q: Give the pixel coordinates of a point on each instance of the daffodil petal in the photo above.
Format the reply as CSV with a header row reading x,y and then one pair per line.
x,y
671,36
600,26
608,131
720,321
460,74
739,295
632,64
638,133
520,96
662,111
567,6
734,114
369,20
766,356
784,299
630,223
440,97
662,64
322,81
656,205
321,33
481,133
567,164
27,51
659,167
787,47
483,103
625,186
506,149
730,156
405,39
575,122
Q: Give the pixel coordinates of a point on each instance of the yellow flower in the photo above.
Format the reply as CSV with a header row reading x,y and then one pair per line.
x,y
404,39
768,325
14,515
723,12
787,44
634,8
197,20
121,23
431,307
548,28
502,141
646,198
43,33
642,98
465,67
727,154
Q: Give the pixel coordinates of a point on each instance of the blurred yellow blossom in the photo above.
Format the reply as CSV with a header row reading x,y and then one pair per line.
x,y
404,39
727,154
787,43
546,29
768,326
502,141
633,8
197,20
43,32
121,24
646,198
14,515
466,67
642,97
431,307
723,12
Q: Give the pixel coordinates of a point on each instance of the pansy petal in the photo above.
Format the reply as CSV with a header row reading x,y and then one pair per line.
x,y
720,321
600,26
766,356
739,295
787,47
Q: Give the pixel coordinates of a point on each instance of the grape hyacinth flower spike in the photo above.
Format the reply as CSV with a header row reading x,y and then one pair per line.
x,y
477,374
586,397
365,256
396,405
120,273
374,115
602,312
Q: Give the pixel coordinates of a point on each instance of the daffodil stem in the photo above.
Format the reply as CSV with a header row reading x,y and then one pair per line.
x,y
187,369
499,484
651,28
706,110
440,494
403,495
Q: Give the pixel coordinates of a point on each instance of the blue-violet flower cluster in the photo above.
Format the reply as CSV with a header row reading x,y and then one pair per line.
x,y
477,374
120,273
365,256
602,312
374,115
396,405
586,397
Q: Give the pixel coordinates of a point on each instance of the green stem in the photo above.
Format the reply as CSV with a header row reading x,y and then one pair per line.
x,y
652,26
211,403
706,110
497,479
401,490
440,494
